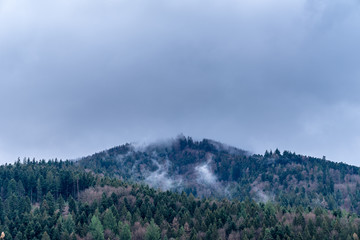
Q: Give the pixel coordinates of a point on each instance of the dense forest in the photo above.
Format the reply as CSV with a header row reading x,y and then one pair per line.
x,y
59,200
210,169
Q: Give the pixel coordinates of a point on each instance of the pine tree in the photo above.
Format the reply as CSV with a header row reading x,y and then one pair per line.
x,y
125,233
72,205
69,224
267,235
20,189
152,231
38,190
212,233
2,214
193,235
96,228
11,188
45,236
60,202
109,221
51,203
19,236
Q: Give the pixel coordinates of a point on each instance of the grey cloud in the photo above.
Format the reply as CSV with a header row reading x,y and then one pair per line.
x,y
80,76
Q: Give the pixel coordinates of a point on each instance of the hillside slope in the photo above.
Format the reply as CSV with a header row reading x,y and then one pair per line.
x,y
57,200
209,168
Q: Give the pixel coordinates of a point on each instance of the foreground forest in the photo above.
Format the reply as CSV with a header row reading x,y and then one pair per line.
x,y
59,200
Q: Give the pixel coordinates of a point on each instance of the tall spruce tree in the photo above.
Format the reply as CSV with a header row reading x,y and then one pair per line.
x,y
96,228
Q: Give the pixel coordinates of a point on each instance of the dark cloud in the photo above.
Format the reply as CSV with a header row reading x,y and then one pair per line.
x,y
80,76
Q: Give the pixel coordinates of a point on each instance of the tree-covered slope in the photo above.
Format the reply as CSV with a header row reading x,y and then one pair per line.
x,y
57,200
208,168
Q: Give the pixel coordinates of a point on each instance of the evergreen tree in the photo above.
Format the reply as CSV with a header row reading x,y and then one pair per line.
x,y
45,236
51,203
212,233
125,233
2,214
60,203
19,236
96,228
152,231
267,235
193,235
20,189
69,224
11,187
72,205
110,221
38,190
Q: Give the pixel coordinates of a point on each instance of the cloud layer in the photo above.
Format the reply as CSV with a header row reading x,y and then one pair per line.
x,y
79,76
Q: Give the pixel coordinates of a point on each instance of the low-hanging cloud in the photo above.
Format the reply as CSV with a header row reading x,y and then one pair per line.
x,y
160,177
205,175
80,76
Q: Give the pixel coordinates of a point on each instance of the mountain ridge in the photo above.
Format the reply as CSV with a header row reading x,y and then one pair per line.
x,y
208,168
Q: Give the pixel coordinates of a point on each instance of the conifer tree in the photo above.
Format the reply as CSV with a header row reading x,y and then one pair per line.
x,y
152,231
267,235
72,205
109,221
96,228
125,233
45,236
38,190
69,224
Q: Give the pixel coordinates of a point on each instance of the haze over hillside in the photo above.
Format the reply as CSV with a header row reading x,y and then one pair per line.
x,y
180,189
59,200
211,169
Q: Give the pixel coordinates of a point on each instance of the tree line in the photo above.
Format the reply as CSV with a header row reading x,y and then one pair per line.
x,y
59,200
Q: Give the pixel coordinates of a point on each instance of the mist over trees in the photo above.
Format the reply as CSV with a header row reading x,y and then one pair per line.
x,y
63,200
210,169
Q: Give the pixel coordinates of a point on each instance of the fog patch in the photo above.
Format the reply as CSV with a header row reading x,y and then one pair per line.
x,y
140,146
227,148
261,196
205,175
160,177
151,145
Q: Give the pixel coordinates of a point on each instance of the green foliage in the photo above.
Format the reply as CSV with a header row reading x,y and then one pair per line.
x,y
152,232
267,235
125,233
72,205
110,221
69,224
45,236
146,213
212,233
96,228
51,203
39,190
288,179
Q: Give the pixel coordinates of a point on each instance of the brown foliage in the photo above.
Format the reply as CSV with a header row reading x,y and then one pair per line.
x,y
234,236
138,231
95,193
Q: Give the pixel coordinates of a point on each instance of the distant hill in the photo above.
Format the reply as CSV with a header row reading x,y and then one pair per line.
x,y
65,200
211,169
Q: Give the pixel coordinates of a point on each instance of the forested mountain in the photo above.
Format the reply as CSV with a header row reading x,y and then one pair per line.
x,y
200,190
58,200
211,169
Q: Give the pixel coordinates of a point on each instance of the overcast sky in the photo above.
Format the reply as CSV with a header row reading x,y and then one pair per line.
x,y
80,76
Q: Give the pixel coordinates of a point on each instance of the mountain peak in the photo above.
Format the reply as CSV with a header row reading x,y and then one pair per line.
x,y
210,168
